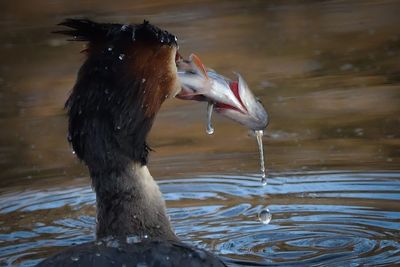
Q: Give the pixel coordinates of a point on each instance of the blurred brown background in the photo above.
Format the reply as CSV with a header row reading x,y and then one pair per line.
x,y
328,72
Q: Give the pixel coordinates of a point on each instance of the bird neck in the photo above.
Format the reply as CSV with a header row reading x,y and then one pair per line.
x,y
129,202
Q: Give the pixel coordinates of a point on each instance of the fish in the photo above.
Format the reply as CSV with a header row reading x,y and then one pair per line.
x,y
230,98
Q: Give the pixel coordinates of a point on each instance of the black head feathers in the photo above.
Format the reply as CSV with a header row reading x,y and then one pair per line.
x,y
87,30
129,71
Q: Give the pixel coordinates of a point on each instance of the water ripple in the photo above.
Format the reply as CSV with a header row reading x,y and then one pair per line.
x,y
318,219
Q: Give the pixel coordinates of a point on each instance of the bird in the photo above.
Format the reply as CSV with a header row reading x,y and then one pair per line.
x,y
128,72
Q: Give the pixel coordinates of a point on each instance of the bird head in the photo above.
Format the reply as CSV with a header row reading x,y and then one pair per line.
x,y
128,73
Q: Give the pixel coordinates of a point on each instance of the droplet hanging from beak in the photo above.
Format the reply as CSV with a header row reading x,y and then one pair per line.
x,y
259,135
210,128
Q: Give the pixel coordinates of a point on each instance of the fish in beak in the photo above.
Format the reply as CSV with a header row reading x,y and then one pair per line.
x,y
230,98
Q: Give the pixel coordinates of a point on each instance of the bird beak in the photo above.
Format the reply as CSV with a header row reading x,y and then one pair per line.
x,y
230,98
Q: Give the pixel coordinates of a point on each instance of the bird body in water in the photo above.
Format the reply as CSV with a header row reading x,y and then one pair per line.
x,y
129,71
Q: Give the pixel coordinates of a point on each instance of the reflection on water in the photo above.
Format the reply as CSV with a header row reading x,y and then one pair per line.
x,y
317,218
328,73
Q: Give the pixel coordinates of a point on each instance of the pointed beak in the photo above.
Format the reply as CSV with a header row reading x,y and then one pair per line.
x,y
232,99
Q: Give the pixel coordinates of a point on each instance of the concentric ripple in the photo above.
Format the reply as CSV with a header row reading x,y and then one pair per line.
x,y
318,219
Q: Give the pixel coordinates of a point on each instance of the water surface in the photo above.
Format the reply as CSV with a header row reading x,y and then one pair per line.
x,y
328,73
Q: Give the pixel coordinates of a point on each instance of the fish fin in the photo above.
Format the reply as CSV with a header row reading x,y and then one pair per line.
x,y
199,65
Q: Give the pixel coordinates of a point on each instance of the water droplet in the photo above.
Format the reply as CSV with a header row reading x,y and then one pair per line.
x,y
132,239
346,67
98,254
118,127
265,216
259,135
124,27
167,258
143,80
210,107
73,152
359,131
110,48
99,243
145,236
121,56
74,258
113,243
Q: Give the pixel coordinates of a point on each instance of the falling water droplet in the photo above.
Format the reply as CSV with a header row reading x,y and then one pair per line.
x,y
113,243
124,27
133,36
259,136
265,216
143,80
73,152
121,56
210,107
132,239
74,258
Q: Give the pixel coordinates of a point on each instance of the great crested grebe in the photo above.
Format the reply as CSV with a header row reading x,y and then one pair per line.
x,y
130,70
